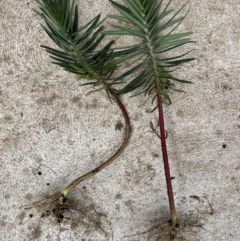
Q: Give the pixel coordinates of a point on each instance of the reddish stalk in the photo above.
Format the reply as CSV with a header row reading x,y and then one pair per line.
x,y
165,160
68,189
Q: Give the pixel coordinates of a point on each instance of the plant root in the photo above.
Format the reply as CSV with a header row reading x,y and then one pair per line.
x,y
62,209
166,231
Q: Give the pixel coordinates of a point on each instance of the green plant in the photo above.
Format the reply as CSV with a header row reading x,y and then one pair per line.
x,y
154,25
79,52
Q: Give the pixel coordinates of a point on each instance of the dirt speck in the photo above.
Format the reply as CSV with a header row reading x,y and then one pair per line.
x,y
150,168
237,168
119,126
180,113
10,141
225,87
77,101
118,196
74,224
29,196
7,196
36,233
48,125
2,223
47,100
195,197
22,215
94,104
52,98
8,118
117,207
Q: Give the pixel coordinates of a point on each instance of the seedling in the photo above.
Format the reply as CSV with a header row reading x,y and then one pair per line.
x,y
79,52
153,24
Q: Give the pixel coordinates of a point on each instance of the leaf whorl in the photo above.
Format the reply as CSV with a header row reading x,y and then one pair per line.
x,y
78,46
146,19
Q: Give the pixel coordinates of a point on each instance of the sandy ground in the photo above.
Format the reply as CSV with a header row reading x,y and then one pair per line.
x,y
51,132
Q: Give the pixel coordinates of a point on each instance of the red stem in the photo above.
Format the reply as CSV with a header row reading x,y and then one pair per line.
x,y
165,160
68,189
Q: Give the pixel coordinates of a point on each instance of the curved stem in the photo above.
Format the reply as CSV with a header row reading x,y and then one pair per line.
x,y
68,189
165,160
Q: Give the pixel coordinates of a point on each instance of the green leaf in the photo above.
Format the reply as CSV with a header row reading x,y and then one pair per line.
x,y
125,12
125,31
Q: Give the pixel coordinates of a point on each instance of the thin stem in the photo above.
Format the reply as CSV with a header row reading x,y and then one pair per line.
x,y
68,189
165,160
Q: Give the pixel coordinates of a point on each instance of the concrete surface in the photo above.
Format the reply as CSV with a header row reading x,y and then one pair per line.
x,y
51,132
